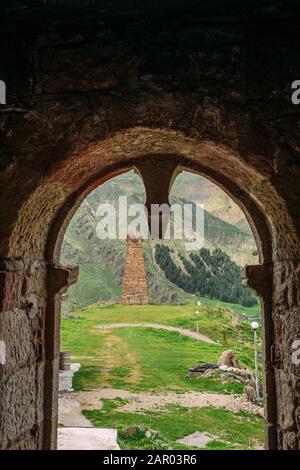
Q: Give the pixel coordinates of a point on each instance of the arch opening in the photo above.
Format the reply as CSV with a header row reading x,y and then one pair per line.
x,y
48,208
109,192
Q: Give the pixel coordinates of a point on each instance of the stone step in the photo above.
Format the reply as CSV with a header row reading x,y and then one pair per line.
x,y
82,438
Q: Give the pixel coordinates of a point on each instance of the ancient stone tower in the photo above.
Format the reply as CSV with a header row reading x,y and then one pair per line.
x,y
97,88
135,288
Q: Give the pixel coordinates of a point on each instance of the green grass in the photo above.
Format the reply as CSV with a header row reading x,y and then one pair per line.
x,y
148,359
237,308
91,287
161,358
152,360
232,430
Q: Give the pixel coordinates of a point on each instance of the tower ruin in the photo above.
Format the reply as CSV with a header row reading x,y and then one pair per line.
x,y
135,287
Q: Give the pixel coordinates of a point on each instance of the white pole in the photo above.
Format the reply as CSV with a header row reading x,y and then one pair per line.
x,y
198,332
254,327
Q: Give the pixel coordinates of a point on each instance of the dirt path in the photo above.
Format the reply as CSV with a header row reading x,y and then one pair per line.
x,y
182,331
140,402
121,354
78,432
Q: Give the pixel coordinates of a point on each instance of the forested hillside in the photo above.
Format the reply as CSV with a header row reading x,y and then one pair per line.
x,y
212,275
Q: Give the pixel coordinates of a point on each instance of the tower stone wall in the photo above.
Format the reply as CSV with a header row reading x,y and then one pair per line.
x,y
98,89
135,287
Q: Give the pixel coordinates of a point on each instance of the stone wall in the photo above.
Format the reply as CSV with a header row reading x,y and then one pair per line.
x,y
135,287
95,90
22,375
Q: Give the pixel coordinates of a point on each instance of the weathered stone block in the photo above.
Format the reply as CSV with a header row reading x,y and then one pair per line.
x,y
16,332
286,413
17,404
25,442
51,388
40,392
11,277
10,290
290,441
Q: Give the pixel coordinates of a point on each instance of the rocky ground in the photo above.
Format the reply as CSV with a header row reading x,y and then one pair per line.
x,y
140,402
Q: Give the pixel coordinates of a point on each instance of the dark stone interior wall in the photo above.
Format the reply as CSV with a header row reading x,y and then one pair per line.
x,y
92,91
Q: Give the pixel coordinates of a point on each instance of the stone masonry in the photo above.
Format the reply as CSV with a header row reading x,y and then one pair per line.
x,y
135,288
96,88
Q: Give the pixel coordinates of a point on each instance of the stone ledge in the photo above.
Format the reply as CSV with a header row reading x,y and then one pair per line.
x,y
60,278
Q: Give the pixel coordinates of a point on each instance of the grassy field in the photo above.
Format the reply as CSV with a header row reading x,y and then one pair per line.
x,y
151,360
161,430
239,309
145,358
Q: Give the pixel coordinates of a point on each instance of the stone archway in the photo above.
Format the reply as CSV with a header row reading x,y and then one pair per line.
x,y
88,99
33,282
158,172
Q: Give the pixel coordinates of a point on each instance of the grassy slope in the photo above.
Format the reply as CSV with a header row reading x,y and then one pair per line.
x,y
143,358
255,310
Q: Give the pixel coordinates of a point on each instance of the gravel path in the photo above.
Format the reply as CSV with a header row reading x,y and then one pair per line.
x,y
182,331
139,402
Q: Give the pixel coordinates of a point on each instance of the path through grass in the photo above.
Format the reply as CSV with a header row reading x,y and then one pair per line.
x,y
141,359
144,358
161,430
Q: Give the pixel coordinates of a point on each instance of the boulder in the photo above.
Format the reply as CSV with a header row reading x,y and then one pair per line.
x,y
228,359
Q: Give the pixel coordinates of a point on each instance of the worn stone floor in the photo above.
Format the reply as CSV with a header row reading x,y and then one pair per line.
x,y
75,432
76,438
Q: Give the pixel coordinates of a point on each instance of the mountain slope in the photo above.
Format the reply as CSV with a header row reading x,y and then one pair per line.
x,y
202,191
101,262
